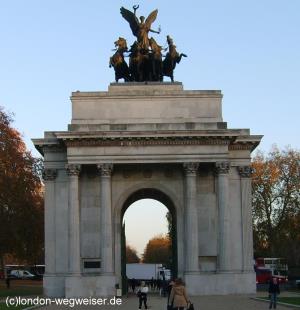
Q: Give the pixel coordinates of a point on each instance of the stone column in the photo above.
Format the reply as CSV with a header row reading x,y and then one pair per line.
x,y
191,218
245,173
49,176
106,218
222,170
73,171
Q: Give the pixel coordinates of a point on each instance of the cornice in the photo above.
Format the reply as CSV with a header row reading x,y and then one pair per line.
x,y
147,141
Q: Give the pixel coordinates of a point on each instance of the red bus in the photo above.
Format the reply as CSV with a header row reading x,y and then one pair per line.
x,y
266,268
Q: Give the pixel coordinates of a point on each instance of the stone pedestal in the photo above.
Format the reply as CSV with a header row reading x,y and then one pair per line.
x,y
85,286
221,283
164,143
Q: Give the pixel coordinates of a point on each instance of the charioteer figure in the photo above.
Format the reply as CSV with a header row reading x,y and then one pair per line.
x,y
141,28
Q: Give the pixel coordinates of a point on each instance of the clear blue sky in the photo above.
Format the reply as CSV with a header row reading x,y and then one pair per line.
x,y
248,49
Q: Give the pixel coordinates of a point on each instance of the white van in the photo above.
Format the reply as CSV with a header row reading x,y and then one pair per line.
x,y
21,274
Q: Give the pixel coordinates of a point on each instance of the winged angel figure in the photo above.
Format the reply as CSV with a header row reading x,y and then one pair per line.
x,y
141,28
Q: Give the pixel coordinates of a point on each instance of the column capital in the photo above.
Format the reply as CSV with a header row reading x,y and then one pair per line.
x,y
190,168
49,174
245,171
222,167
105,169
73,169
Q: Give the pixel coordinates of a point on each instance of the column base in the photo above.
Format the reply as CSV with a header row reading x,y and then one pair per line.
x,y
220,283
54,285
87,286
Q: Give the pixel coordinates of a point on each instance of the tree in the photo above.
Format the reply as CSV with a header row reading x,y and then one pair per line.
x,y
21,199
131,255
170,224
276,204
158,251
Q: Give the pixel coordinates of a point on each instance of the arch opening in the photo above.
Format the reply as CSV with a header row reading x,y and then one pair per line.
x,y
135,199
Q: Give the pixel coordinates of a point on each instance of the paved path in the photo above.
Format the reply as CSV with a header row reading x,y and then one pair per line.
x,y
236,302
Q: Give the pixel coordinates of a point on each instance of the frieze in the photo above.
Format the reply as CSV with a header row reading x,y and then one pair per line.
x,y
147,141
242,147
53,148
49,174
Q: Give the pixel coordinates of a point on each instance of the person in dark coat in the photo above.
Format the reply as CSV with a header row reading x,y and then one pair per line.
x,y
133,284
7,282
273,292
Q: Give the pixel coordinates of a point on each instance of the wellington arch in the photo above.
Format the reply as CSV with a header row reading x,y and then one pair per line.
x,y
147,140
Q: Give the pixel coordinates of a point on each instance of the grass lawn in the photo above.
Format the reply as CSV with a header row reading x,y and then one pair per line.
x,y
21,291
288,300
19,288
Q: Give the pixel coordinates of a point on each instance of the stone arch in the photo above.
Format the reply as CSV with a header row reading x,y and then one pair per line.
x,y
162,194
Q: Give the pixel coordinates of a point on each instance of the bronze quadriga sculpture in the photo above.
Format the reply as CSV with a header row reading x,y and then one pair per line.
x,y
146,61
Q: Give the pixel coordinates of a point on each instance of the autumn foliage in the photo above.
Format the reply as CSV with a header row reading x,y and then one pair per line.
x,y
158,250
276,204
131,255
21,199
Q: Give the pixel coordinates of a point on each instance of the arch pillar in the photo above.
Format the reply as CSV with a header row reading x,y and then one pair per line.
x,y
222,171
191,218
106,218
74,219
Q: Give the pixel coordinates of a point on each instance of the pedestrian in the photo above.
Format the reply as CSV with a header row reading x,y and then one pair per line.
x,y
178,296
164,287
133,284
142,295
169,289
7,281
152,283
158,285
273,292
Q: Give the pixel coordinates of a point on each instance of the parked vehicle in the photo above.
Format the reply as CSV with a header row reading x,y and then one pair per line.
x,y
266,268
21,274
147,272
263,275
37,270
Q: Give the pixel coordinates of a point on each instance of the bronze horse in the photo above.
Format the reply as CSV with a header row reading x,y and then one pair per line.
x,y
118,62
172,58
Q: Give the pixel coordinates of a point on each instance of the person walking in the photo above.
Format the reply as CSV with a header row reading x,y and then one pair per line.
x,y
273,292
178,297
133,284
142,294
169,289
